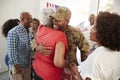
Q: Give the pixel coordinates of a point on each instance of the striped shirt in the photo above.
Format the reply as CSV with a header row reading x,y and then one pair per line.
x,y
18,44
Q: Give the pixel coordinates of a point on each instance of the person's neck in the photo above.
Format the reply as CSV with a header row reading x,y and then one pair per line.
x,y
26,28
65,27
98,44
24,25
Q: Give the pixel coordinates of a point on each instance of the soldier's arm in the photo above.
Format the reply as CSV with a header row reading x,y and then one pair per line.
x,y
83,45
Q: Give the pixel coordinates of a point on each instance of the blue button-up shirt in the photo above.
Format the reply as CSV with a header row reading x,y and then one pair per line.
x,y
18,44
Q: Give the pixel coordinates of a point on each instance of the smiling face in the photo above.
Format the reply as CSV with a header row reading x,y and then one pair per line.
x,y
93,34
59,24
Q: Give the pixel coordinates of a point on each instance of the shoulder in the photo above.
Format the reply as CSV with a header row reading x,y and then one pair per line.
x,y
74,32
99,51
41,26
104,55
59,33
13,30
72,28
17,30
102,51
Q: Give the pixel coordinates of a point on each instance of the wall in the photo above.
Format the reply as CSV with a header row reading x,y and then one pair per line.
x,y
116,6
12,9
76,6
93,6
66,3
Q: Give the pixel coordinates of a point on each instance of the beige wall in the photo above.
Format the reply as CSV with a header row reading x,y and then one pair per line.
x,y
11,9
116,6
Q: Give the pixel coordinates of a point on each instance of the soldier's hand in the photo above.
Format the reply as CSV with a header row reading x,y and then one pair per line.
x,y
74,68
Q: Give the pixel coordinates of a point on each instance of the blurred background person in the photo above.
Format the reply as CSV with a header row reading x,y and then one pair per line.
x,y
86,33
88,24
34,25
93,39
91,20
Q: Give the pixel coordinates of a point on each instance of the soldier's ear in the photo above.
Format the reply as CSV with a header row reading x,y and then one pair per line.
x,y
66,21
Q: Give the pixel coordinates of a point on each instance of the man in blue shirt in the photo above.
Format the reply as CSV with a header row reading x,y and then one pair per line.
x,y
19,49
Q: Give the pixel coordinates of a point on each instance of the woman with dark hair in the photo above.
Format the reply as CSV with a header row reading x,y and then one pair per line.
x,y
106,63
9,24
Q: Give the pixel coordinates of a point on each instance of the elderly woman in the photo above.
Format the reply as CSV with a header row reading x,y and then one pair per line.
x,y
107,57
49,67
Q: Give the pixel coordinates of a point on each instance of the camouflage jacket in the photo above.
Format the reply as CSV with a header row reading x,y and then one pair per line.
x,y
76,39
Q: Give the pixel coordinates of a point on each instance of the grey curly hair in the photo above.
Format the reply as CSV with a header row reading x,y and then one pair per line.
x,y
45,18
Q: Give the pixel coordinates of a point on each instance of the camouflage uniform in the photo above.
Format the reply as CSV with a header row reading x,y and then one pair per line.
x,y
76,39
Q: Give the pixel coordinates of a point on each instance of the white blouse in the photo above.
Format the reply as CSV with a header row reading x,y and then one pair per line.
x,y
106,65
102,64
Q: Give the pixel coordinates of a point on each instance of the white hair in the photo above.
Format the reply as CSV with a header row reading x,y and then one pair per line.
x,y
45,16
